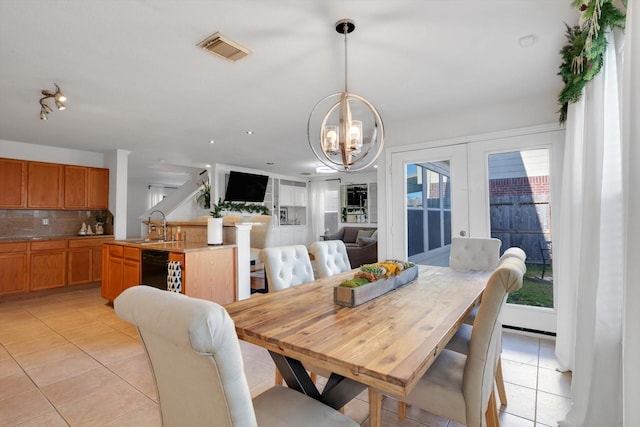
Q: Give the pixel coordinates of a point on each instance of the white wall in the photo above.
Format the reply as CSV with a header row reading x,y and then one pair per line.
x,y
137,196
43,153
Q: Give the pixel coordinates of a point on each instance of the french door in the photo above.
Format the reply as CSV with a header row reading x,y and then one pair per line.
x,y
486,188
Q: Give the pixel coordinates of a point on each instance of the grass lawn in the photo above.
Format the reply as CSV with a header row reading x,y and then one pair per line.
x,y
535,291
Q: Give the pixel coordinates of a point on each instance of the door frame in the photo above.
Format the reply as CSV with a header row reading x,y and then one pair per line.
x,y
393,213
519,316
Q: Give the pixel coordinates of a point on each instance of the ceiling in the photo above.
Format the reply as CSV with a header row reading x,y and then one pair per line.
x,y
135,79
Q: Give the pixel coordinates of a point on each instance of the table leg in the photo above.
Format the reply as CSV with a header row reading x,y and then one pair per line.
x,y
375,408
337,392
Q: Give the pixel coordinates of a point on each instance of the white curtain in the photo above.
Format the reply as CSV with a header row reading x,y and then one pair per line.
x,y
596,244
317,191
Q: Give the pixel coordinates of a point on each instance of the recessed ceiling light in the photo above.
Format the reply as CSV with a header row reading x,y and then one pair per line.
x,y
207,165
375,166
528,40
325,169
249,132
270,163
211,141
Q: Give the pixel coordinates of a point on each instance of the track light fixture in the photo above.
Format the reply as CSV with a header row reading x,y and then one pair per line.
x,y
59,99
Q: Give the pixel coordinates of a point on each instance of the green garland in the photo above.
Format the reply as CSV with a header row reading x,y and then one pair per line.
x,y
221,206
583,55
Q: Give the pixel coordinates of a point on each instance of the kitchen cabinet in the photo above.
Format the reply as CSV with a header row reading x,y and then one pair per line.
x,y
47,264
98,188
14,268
286,195
293,195
84,260
13,176
300,196
122,269
45,185
86,188
75,187
40,185
207,273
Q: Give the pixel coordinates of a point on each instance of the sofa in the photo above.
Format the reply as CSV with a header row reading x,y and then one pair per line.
x,y
361,244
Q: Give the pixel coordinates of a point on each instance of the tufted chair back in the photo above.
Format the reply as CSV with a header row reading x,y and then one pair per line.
x,y
286,266
194,354
485,345
473,253
195,357
331,257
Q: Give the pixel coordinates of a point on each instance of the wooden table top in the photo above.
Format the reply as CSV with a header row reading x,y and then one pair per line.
x,y
387,343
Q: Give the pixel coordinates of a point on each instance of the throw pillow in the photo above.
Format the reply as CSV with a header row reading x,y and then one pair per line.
x,y
375,235
365,241
364,233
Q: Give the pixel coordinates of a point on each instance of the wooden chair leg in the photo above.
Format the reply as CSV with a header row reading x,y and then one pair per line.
x,y
313,377
279,380
502,393
402,410
492,412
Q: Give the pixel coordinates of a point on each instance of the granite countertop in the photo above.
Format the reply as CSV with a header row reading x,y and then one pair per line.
x,y
178,246
40,238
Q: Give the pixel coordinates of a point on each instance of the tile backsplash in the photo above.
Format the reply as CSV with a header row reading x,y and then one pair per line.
x,y
31,223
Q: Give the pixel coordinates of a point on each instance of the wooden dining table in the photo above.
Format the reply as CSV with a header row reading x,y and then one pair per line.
x,y
385,345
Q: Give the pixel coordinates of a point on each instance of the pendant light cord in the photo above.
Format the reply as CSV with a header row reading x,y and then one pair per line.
x,y
345,29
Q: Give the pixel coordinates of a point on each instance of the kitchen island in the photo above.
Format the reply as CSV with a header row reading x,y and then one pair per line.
x,y
208,272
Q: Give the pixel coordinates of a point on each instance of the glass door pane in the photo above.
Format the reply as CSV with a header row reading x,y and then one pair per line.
x,y
520,215
429,212
432,189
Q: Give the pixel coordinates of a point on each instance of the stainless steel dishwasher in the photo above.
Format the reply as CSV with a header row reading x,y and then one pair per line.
x,y
154,268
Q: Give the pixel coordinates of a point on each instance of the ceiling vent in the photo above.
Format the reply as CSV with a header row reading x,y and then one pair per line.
x,y
224,48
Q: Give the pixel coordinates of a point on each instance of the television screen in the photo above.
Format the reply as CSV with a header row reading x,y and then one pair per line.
x,y
246,187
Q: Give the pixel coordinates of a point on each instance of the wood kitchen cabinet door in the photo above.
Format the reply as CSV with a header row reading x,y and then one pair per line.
x,y
14,268
13,176
45,188
98,188
79,266
75,187
48,269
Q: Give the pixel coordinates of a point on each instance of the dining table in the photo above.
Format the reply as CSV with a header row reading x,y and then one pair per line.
x,y
385,344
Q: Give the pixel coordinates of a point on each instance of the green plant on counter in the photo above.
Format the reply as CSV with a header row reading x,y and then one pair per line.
x,y
241,207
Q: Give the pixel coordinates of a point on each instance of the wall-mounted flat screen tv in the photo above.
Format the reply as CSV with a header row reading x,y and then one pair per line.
x,y
246,187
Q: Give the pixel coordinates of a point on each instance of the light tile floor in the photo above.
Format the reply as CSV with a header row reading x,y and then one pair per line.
x,y
67,360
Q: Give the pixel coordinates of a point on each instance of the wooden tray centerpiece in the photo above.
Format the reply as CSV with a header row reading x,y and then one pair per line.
x,y
374,280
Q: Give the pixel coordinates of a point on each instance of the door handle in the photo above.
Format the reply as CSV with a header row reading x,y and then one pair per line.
x,y
463,233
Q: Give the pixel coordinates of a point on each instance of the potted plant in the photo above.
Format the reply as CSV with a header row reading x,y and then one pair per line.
x,y
204,196
214,225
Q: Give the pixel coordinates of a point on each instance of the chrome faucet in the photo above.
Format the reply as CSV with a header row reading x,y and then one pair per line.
x,y
164,224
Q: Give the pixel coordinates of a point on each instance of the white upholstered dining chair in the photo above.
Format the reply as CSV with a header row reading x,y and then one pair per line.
x,y
331,257
198,371
474,253
461,340
286,266
459,386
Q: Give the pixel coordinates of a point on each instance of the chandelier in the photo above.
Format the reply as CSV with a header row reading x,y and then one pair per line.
x,y
58,97
349,137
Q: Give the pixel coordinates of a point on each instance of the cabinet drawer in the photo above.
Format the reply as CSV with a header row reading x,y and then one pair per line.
x,y
13,247
132,253
115,251
48,244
